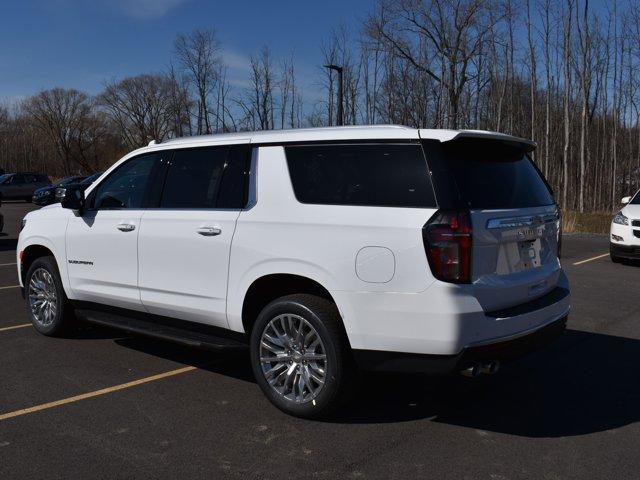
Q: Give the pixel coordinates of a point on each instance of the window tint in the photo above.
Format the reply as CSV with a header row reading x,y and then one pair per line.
x,y
233,187
487,174
127,186
392,175
17,179
194,176
30,178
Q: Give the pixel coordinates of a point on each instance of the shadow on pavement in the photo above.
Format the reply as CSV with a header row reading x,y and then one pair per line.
x,y
7,244
583,383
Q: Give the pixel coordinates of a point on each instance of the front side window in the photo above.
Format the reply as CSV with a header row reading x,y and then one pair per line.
x,y
126,187
194,178
385,175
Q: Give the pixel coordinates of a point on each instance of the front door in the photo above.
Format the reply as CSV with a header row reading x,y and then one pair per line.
x,y
184,245
102,244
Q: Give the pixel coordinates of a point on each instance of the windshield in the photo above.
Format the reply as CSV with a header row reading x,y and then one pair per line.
x,y
636,199
4,178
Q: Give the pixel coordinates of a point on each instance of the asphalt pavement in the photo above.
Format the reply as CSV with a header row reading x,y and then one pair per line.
x,y
103,404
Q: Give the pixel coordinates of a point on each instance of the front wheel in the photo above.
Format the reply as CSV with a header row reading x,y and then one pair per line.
x,y
300,355
48,307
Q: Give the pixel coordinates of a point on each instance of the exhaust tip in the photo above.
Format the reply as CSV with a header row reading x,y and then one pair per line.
x,y
471,371
491,367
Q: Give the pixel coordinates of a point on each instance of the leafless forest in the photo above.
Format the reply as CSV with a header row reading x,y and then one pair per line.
x,y
562,72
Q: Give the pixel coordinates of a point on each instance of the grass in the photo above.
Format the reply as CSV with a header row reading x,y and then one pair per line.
x,y
576,222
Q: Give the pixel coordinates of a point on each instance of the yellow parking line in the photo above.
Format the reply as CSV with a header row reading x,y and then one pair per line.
x,y
104,391
15,327
7,264
591,259
10,286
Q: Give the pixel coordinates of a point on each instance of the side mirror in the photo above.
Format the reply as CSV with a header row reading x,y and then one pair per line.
x,y
71,197
625,200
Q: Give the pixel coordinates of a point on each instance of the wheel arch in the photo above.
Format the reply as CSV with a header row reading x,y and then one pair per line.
x,y
266,288
30,253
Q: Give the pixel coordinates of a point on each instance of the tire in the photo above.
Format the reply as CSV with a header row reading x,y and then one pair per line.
x,y
42,283
322,317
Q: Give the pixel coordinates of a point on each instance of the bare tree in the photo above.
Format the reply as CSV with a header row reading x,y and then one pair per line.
x,y
452,29
141,107
199,54
66,119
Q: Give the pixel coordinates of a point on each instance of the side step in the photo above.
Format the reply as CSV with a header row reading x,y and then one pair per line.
x,y
149,328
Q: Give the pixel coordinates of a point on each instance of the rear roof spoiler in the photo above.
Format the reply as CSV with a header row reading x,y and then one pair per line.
x,y
451,135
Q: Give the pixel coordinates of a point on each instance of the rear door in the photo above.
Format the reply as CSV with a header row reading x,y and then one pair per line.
x,y
15,187
185,242
514,217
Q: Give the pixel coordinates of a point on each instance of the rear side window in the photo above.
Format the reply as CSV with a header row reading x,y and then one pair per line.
x,y
486,174
210,177
383,175
193,179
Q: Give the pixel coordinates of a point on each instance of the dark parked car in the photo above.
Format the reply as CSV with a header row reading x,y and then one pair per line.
x,y
47,195
18,186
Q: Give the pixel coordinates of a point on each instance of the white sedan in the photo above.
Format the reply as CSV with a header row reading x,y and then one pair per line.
x,y
625,230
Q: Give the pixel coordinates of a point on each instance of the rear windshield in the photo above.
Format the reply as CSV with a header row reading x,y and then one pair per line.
x,y
384,175
487,174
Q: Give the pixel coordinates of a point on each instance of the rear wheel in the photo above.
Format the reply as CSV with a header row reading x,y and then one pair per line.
x,y
300,355
48,307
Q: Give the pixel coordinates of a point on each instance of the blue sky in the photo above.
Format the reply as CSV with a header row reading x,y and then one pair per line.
x,y
83,43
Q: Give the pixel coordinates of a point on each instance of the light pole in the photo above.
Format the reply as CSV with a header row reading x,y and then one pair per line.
x,y
340,116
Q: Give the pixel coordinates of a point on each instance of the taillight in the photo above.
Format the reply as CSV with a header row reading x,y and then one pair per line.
x,y
447,241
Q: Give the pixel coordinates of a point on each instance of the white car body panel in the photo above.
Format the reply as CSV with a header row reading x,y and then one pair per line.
x,y
371,259
169,243
103,260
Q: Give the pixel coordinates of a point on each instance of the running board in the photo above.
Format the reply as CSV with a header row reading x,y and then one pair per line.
x,y
154,329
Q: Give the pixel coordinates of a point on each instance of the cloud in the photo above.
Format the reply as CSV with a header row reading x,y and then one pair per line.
x,y
148,8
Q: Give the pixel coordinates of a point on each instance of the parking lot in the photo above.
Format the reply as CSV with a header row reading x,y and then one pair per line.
x,y
106,405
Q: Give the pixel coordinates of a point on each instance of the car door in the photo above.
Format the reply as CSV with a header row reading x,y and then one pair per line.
x,y
15,187
184,244
102,243
30,184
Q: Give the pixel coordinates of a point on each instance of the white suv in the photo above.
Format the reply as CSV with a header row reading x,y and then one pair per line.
x,y
380,247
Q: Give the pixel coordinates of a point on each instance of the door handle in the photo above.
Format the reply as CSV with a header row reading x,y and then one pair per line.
x,y
209,231
125,227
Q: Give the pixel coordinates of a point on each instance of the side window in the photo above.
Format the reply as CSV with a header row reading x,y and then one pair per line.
x,y
127,186
29,178
17,179
234,184
385,175
194,177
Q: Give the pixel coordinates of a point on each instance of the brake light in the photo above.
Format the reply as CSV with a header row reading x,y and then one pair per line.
x,y
447,242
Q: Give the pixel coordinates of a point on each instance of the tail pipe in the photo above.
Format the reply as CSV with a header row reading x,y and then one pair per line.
x,y
476,369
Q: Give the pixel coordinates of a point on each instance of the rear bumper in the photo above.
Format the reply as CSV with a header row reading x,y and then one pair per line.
x,y
444,319
501,350
631,252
